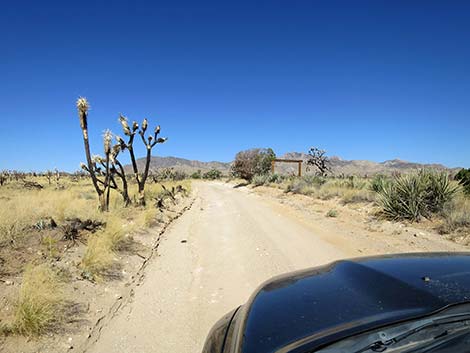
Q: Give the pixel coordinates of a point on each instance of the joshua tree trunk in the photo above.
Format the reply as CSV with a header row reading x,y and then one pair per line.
x,y
144,176
125,190
82,106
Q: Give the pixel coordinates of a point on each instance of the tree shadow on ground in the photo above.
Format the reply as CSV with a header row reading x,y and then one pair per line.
x,y
241,185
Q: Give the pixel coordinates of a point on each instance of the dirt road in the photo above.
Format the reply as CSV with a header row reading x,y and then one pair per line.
x,y
209,262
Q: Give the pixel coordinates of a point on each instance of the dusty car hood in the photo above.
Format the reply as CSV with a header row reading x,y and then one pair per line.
x,y
311,308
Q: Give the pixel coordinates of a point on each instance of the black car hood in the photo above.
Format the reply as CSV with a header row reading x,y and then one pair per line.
x,y
309,309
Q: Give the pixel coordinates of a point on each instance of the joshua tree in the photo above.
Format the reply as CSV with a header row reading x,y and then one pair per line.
x,y
57,177
103,171
3,178
48,176
92,167
118,169
319,160
149,142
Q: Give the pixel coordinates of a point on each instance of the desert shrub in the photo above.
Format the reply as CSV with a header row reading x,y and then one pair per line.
x,y
352,182
259,180
179,175
314,180
252,162
212,174
456,215
196,175
275,178
332,213
416,195
463,177
296,186
306,185
357,195
39,301
165,174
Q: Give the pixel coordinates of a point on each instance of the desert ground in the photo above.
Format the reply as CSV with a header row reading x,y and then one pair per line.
x,y
232,239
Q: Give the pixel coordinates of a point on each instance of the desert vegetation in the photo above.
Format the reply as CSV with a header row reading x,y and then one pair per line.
x,y
253,162
58,229
423,195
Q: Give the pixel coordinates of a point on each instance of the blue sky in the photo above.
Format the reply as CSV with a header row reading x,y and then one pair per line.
x,y
370,80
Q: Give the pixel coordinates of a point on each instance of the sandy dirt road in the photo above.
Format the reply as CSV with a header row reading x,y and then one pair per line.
x,y
209,262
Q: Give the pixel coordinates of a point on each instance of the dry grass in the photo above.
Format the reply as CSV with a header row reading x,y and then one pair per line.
x,y
22,209
354,190
456,216
38,304
100,253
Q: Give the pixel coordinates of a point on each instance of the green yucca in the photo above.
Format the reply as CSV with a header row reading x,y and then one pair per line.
x,y
379,182
417,195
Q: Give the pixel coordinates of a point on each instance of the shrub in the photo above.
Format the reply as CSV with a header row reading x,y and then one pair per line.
x,y
416,195
259,180
332,213
463,177
353,182
252,162
456,215
306,185
196,175
168,174
212,174
39,301
275,178
357,195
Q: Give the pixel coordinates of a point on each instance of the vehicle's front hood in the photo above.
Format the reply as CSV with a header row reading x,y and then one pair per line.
x,y
318,306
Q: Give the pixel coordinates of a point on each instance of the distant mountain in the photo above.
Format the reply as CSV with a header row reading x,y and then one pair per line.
x,y
185,165
338,165
360,167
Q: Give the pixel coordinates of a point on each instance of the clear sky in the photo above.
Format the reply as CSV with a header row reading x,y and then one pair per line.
x,y
370,80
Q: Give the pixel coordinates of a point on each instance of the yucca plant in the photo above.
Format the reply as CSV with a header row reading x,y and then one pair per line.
x,y
417,195
378,182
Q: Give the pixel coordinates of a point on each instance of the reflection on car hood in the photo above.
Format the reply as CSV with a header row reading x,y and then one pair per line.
x,y
318,306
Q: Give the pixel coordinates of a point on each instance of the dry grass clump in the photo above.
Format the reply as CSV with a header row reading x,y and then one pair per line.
x,y
456,216
98,257
350,190
150,217
357,196
100,252
38,306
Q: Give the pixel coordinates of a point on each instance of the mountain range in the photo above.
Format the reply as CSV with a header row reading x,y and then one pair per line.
x,y
338,165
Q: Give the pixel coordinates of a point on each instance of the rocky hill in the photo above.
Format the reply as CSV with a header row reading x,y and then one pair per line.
x,y
338,165
360,167
185,165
